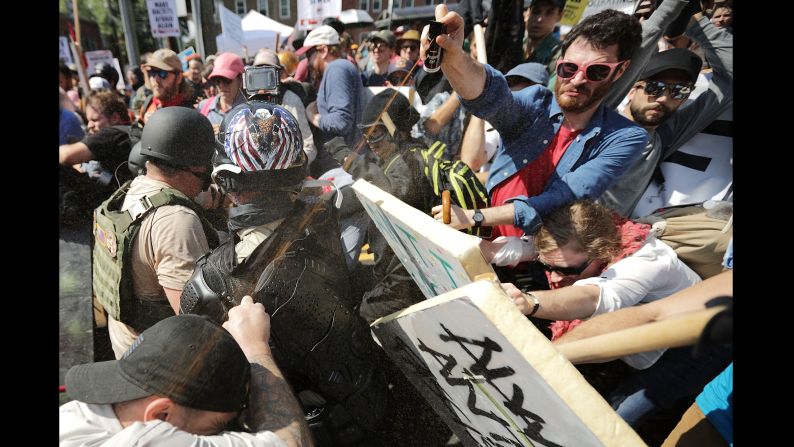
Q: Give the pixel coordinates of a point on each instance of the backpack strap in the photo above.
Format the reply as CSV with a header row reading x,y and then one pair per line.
x,y
167,196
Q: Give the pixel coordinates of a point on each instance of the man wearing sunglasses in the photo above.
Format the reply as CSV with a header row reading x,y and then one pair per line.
x,y
167,82
658,103
227,75
408,46
557,147
172,232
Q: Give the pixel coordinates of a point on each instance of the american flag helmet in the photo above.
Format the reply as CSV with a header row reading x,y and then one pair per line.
x,y
261,136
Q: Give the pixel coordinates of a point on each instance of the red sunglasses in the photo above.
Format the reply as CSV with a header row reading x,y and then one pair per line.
x,y
595,72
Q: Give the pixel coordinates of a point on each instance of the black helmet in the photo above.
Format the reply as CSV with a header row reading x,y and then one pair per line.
x,y
400,112
180,136
108,72
136,162
259,145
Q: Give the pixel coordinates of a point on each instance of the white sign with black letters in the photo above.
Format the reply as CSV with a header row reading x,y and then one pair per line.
x,y
493,377
312,12
162,18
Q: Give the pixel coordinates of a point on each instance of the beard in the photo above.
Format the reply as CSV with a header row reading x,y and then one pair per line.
x,y
581,103
639,116
165,92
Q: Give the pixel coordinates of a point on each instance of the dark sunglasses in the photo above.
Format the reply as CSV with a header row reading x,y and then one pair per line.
x,y
161,73
205,177
373,140
412,47
217,80
566,271
378,45
677,90
595,72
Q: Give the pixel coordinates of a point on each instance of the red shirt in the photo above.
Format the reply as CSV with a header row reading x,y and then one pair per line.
x,y
531,180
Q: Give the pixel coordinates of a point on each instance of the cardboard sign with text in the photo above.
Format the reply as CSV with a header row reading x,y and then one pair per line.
x,y
493,377
64,53
163,18
438,257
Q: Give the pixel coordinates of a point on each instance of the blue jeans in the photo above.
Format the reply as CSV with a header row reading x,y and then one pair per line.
x,y
676,375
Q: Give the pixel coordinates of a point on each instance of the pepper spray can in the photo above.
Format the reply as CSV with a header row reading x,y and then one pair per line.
x,y
434,53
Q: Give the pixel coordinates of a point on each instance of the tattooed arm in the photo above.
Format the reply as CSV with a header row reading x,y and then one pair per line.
x,y
272,405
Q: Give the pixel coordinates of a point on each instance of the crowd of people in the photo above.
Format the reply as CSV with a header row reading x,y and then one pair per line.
x,y
228,240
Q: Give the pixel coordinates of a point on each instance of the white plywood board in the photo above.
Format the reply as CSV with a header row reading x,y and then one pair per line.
x,y
438,257
493,377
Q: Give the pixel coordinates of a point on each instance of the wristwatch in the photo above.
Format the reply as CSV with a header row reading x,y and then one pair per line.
x,y
478,218
536,304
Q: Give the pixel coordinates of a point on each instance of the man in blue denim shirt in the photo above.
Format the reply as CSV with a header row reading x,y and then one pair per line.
x,y
601,144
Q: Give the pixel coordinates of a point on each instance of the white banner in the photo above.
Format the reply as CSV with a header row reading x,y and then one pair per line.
x,y
63,50
119,85
596,6
438,258
231,26
312,12
103,56
96,57
162,18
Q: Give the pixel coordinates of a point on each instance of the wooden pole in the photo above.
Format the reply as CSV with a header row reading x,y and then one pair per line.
x,y
77,25
670,333
479,38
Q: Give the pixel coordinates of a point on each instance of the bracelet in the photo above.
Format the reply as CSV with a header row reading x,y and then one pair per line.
x,y
536,306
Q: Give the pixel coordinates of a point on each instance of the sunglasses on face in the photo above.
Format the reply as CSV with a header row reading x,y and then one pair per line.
x,y
412,47
595,72
205,177
161,73
217,80
373,139
378,46
676,90
566,271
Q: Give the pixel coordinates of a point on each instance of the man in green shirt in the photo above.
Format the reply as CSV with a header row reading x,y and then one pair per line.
x,y
541,46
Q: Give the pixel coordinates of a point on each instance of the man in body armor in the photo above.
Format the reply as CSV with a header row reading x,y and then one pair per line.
x,y
284,251
150,232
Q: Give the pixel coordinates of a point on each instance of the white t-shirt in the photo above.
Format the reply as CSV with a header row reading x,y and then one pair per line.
x,y
82,424
651,273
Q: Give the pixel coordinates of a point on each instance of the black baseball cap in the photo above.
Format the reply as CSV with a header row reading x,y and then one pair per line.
x,y
674,59
188,358
400,112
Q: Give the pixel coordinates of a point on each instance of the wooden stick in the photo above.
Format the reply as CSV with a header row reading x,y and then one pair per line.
x,y
76,24
479,38
446,206
670,333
